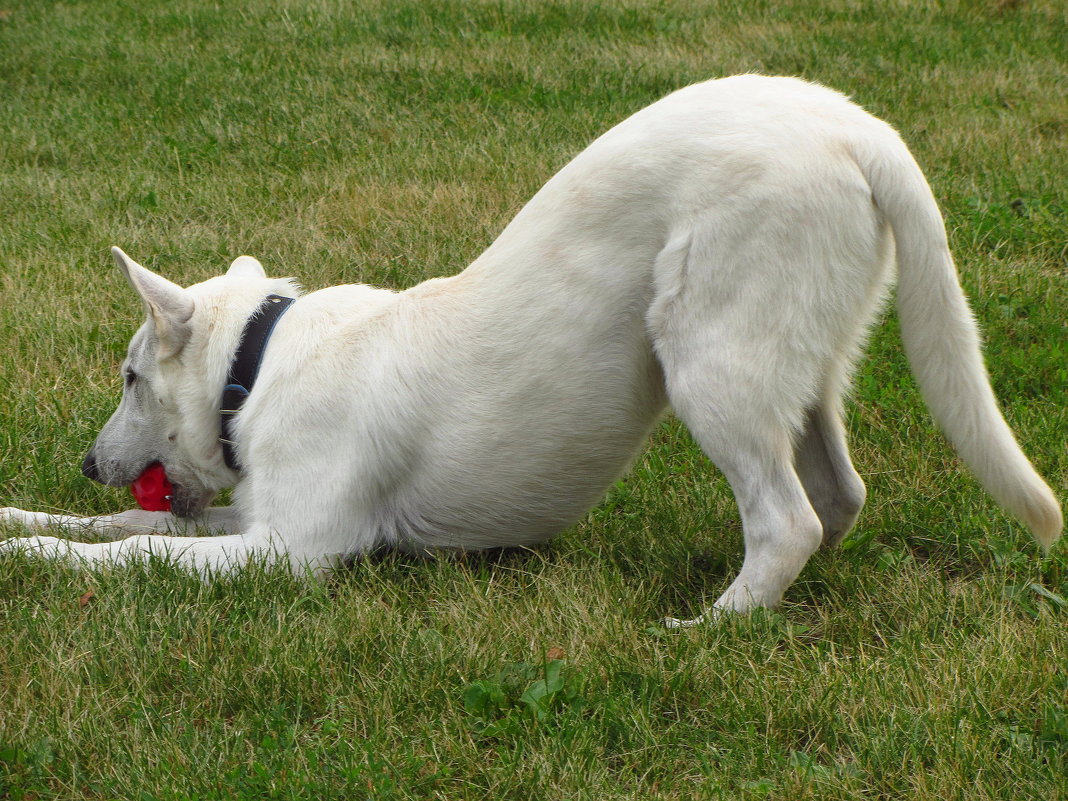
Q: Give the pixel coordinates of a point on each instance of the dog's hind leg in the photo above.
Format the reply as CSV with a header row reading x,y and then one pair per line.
x,y
780,526
745,336
821,458
745,423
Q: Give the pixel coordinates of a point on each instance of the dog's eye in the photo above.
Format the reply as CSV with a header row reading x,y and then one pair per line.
x,y
130,377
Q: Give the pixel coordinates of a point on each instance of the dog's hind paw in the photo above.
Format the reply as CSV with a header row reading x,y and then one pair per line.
x,y
708,616
675,623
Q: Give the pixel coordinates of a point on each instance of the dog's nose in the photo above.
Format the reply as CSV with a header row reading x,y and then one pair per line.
x,y
89,469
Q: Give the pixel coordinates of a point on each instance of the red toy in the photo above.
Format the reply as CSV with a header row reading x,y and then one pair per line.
x,y
152,490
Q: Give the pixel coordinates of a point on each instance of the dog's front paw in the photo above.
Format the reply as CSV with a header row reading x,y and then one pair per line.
x,y
9,514
30,545
13,516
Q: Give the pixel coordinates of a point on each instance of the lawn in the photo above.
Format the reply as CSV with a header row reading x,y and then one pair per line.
x,y
388,142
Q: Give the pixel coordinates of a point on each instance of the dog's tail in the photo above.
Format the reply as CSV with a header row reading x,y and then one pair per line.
x,y
942,341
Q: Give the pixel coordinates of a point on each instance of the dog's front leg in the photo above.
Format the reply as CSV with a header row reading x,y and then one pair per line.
x,y
221,519
204,554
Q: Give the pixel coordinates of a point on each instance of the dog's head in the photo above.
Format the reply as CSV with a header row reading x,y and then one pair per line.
x,y
173,377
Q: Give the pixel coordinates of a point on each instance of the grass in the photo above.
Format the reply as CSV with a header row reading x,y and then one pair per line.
x,y
388,142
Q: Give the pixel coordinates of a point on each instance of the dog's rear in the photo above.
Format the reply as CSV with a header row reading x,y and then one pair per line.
x,y
762,306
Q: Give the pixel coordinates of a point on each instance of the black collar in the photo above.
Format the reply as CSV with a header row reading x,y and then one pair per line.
x,y
245,366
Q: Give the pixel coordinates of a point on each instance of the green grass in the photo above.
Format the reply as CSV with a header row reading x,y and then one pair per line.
x,y
388,142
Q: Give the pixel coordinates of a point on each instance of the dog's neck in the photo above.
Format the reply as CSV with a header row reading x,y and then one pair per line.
x,y
245,366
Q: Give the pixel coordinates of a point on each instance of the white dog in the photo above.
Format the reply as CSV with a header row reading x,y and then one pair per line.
x,y
722,251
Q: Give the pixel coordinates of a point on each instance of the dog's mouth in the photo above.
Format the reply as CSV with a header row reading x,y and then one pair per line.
x,y
152,490
154,487
155,491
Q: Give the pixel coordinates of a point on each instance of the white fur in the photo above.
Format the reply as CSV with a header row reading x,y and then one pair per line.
x,y
722,251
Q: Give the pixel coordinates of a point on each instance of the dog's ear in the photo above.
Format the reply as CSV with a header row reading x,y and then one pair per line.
x,y
246,267
167,304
